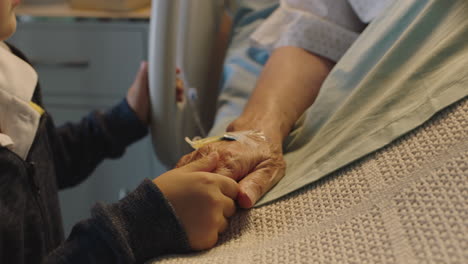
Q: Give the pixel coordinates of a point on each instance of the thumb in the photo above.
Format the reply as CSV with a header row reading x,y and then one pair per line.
x,y
141,78
143,71
138,94
256,184
142,75
207,164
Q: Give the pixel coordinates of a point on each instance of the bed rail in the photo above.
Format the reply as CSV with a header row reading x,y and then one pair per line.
x,y
182,34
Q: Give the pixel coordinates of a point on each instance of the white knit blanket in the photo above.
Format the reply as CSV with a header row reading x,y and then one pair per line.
x,y
406,203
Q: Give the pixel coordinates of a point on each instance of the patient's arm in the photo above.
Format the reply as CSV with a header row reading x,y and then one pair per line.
x,y
287,86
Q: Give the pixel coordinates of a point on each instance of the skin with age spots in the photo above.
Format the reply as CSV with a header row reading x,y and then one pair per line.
x,y
257,166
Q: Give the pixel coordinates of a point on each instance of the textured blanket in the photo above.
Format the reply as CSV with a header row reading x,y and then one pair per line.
x,y
406,203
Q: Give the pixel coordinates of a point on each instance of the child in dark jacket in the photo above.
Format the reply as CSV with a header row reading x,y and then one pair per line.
x,y
184,209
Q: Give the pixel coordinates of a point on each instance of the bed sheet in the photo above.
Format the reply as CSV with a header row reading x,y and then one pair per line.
x,y
406,66
405,203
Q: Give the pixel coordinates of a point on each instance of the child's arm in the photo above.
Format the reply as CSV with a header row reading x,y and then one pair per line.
x,y
79,147
181,210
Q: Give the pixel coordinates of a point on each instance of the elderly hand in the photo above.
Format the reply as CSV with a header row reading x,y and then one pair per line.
x,y
202,200
254,161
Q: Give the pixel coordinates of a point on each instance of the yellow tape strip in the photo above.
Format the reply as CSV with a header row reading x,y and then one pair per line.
x,y
196,144
37,108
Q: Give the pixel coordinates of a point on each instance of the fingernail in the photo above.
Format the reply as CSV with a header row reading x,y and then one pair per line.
x,y
244,200
251,195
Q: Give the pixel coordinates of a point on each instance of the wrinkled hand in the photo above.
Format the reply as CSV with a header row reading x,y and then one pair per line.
x,y
202,200
257,166
138,96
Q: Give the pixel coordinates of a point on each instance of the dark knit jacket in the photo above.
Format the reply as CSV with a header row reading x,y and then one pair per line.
x,y
137,228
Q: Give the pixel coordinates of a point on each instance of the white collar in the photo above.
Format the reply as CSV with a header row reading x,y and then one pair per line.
x,y
16,76
18,120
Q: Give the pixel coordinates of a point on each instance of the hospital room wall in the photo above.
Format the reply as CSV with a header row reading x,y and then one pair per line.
x,y
85,66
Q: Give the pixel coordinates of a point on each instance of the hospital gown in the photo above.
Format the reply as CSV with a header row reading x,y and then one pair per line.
x,y
324,27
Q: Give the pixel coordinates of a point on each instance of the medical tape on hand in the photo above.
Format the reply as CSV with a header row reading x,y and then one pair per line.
x,y
245,137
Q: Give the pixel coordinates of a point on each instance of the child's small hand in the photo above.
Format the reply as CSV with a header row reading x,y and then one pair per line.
x,y
202,200
138,95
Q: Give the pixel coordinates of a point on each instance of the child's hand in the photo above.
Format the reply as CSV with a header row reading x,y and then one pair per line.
x,y
138,95
202,200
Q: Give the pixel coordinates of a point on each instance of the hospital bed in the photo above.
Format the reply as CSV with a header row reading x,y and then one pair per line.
x,y
399,196
183,36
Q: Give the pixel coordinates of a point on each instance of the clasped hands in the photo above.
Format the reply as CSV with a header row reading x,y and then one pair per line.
x,y
254,162
204,187
206,184
256,167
